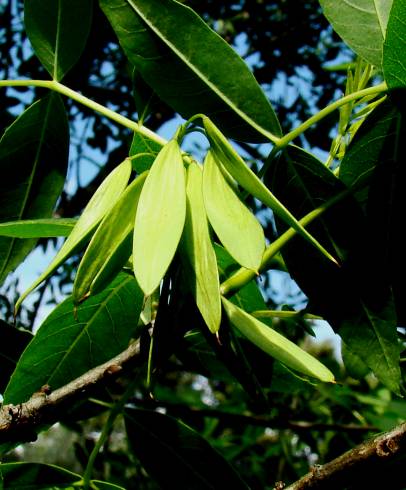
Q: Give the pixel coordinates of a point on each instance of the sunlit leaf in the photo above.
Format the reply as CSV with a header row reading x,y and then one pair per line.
x,y
177,54
235,225
38,228
361,24
175,455
160,218
58,31
111,245
274,344
70,342
101,202
33,159
200,253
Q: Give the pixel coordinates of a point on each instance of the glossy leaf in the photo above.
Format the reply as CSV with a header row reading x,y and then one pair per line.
x,y
69,343
361,24
33,159
175,455
301,180
173,49
101,202
143,152
394,67
200,253
38,228
274,344
111,245
58,31
14,341
235,165
235,225
35,476
160,218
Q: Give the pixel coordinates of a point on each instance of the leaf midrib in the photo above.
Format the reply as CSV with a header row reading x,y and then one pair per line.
x,y
57,43
30,182
201,75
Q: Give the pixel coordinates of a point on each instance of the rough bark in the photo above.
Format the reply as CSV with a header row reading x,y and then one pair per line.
x,y
18,423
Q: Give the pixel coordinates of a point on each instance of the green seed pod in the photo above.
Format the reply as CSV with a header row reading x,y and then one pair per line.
x,y
111,245
226,154
100,204
199,252
160,218
274,344
237,228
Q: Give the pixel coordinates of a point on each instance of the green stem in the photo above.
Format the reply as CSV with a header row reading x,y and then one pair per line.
x,y
243,276
285,140
114,413
72,94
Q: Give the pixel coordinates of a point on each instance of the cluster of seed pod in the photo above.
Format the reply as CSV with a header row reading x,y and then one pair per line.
x,y
169,208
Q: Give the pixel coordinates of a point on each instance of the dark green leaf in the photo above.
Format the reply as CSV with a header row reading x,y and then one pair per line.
x,y
66,347
354,365
37,228
355,293
33,161
35,476
177,54
376,159
145,98
144,151
394,67
175,455
13,342
58,31
361,23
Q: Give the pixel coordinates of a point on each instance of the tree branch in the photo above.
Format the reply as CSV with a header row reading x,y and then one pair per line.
x,y
235,419
18,423
357,464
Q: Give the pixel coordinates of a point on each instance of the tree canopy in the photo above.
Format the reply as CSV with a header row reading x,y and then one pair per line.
x,y
228,177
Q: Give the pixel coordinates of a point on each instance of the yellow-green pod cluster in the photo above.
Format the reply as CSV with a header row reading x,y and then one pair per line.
x,y
160,218
237,228
199,252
